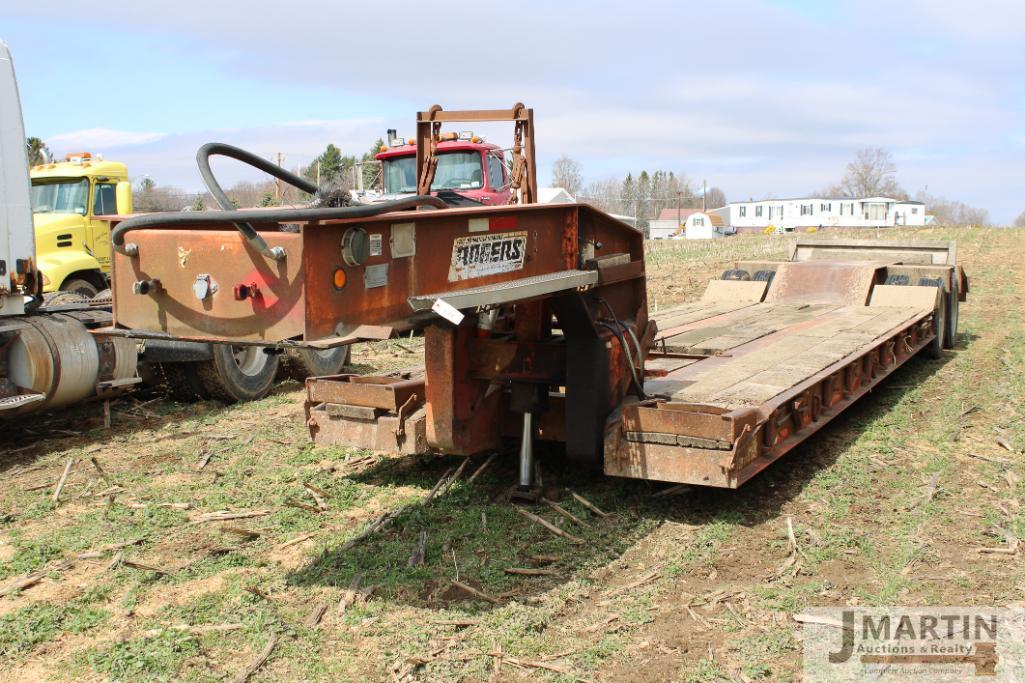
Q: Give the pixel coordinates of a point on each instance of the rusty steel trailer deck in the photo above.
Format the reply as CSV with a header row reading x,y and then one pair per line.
x,y
733,381
536,326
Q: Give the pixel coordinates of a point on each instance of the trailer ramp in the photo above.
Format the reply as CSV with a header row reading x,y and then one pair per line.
x,y
762,377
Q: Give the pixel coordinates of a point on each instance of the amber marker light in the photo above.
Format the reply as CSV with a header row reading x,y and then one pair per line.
x,y
339,278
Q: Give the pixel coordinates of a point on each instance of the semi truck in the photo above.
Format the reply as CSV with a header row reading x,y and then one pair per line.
x,y
70,202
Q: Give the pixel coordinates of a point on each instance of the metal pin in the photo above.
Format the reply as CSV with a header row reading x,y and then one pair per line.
x,y
527,451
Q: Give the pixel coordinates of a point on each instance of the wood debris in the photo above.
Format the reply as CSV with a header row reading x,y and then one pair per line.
x,y
650,576
62,480
103,474
551,527
531,571
476,593
296,540
588,504
565,513
224,515
194,630
317,495
32,578
144,567
419,552
293,503
316,615
350,595
485,465
1011,540
264,655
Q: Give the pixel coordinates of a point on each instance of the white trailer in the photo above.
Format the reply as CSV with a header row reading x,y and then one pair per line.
x,y
16,234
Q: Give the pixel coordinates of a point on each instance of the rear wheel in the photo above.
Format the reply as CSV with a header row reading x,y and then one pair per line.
x,y
950,341
303,363
238,373
936,346
80,287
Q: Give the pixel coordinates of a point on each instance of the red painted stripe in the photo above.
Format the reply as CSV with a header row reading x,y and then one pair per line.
x,y
503,222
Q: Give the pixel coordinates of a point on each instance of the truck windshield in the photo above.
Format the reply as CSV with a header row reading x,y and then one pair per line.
x,y
456,171
60,196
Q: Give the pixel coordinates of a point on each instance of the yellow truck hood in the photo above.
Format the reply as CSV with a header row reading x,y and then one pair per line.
x,y
56,222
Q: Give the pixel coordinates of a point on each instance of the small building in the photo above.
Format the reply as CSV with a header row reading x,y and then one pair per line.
x,y
554,195
822,212
689,223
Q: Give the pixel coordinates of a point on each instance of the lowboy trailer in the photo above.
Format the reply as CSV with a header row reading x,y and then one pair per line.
x,y
537,328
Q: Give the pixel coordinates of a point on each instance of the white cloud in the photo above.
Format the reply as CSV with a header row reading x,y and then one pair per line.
x,y
99,138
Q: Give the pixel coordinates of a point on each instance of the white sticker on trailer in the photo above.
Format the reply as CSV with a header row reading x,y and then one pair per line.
x,y
481,255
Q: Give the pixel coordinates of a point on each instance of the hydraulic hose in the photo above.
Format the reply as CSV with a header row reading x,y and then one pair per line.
x,y
190,219
248,231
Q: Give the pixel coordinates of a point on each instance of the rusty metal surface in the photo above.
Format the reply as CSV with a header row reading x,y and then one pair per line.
x,y
298,298
387,393
745,441
177,258
926,252
847,282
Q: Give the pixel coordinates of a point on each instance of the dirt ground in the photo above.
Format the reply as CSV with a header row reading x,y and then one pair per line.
x,y
123,578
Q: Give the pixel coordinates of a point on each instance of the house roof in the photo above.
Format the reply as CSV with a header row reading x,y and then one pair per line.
x,y
682,215
821,198
674,214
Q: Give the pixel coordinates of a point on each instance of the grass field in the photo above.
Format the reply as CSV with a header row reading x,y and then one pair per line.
x,y
890,504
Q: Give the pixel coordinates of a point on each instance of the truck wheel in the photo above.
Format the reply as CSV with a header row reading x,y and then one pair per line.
x,y
82,287
181,381
950,341
303,363
61,298
238,373
936,346
104,297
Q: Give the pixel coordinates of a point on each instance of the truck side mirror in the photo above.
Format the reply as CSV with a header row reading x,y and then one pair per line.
x,y
124,198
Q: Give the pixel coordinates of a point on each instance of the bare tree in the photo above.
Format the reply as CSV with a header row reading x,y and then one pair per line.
x,y
1019,222
567,173
715,198
951,212
872,173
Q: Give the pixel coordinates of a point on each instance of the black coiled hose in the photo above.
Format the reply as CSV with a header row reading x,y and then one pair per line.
x,y
194,218
241,218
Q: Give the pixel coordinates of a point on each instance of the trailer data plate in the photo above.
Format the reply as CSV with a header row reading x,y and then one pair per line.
x,y
480,255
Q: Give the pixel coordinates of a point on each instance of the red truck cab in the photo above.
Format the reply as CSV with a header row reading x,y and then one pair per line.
x,y
468,166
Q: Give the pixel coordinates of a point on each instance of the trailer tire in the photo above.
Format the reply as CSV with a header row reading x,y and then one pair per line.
x,y
81,287
935,348
302,363
181,381
238,373
61,298
953,304
104,297
736,274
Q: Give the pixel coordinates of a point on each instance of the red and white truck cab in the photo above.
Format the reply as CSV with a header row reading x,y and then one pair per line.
x,y
467,165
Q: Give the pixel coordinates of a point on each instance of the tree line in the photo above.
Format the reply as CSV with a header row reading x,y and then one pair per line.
x,y
872,173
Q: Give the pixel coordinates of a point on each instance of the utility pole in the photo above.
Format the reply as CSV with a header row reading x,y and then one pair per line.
x,y
277,181
704,191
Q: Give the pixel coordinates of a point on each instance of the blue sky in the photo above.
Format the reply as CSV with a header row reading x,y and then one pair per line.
x,y
763,98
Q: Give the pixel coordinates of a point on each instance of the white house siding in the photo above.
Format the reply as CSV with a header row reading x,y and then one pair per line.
x,y
824,212
662,230
699,227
